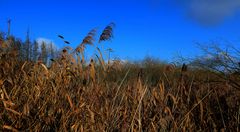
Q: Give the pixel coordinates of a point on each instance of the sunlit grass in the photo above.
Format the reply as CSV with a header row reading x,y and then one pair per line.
x,y
75,95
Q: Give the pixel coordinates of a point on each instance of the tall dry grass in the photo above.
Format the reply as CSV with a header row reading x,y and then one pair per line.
x,y
71,95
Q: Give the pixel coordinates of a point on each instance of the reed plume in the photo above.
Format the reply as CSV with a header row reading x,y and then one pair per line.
x,y
107,33
89,39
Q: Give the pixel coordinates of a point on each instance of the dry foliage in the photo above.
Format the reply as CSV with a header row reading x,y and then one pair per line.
x,y
72,96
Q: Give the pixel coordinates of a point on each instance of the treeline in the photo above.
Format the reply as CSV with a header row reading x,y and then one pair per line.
x,y
28,50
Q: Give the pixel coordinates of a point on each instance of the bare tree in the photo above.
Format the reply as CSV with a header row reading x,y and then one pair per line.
x,y
222,61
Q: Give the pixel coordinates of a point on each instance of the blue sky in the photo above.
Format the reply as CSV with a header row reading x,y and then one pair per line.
x,y
158,28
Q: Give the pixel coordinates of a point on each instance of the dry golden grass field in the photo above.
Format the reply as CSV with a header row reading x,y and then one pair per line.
x,y
73,94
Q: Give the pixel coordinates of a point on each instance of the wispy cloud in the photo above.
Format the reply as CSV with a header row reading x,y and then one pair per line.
x,y
210,12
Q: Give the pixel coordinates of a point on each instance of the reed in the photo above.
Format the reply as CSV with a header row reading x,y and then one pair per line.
x,y
70,95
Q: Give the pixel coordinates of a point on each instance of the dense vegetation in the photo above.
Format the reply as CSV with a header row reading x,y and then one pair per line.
x,y
45,90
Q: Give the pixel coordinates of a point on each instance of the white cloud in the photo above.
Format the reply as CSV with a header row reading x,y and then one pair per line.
x,y
40,40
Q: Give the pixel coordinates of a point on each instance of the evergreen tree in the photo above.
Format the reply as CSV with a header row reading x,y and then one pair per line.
x,y
35,51
18,44
44,52
22,50
27,46
51,50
